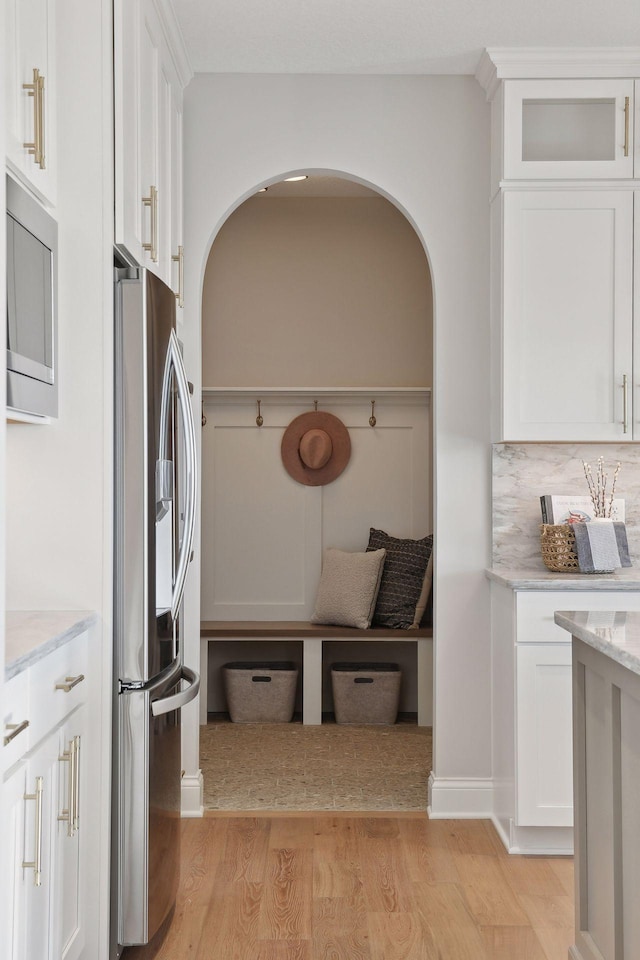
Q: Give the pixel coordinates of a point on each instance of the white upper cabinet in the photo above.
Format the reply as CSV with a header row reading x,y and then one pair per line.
x,y
564,169
576,129
567,334
150,73
30,81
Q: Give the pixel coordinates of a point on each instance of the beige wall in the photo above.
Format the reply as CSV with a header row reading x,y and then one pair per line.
x,y
317,292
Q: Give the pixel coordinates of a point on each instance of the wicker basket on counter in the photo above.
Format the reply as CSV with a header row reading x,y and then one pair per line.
x,y
558,544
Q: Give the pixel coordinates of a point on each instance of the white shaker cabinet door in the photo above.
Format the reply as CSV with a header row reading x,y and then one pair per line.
x,y
137,130
148,143
544,746
30,92
14,929
567,315
38,852
71,887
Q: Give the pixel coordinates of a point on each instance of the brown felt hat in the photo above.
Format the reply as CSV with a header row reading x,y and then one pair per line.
x,y
315,448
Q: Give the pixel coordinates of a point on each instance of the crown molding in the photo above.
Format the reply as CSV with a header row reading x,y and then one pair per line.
x,y
420,396
487,75
538,63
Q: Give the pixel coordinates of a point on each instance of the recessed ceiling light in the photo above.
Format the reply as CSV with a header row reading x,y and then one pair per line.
x,y
293,179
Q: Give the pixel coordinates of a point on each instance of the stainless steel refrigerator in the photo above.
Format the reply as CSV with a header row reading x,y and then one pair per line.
x,y
155,508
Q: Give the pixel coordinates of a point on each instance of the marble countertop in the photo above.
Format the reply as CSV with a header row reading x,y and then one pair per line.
x,y
627,579
33,634
613,633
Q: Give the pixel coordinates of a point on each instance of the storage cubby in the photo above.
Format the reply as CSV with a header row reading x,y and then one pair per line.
x,y
309,646
228,651
403,653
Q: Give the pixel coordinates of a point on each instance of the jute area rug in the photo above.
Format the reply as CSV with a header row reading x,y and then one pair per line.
x,y
288,766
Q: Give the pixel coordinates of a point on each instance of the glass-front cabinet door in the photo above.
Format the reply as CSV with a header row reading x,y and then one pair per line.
x,y
579,129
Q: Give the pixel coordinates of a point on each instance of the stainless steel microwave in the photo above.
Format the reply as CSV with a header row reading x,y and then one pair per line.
x,y
32,267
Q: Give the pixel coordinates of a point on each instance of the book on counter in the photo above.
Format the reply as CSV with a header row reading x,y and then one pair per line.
x,y
575,509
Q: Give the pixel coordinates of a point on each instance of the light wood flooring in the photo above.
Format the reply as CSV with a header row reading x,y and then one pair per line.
x,y
362,887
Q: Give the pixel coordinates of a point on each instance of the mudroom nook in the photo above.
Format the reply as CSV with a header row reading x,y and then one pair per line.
x,y
317,303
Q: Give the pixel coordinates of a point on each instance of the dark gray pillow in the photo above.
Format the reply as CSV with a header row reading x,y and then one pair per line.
x,y
406,579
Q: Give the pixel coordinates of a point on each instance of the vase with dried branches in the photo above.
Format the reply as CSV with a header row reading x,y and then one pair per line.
x,y
601,498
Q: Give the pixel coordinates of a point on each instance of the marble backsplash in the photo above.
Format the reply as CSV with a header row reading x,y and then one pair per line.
x,y
523,472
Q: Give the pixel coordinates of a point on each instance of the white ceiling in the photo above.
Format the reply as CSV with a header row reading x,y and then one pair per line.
x,y
389,36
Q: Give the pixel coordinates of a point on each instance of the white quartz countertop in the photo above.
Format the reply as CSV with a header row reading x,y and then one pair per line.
x,y
33,634
627,579
614,633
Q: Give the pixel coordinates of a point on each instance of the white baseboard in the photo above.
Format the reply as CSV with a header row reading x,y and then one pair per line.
x,y
534,841
191,797
460,799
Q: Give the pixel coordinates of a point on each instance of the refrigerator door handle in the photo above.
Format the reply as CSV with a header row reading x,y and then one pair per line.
x,y
177,700
174,362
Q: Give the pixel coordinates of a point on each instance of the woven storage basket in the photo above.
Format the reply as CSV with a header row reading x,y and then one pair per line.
x,y
558,544
260,692
366,692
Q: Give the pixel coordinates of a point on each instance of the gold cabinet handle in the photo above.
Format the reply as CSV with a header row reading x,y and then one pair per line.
x,y
71,813
35,89
626,127
152,202
70,683
36,863
15,729
41,120
179,259
76,786
67,812
625,404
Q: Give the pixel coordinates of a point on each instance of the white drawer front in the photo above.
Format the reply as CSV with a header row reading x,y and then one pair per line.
x,y
58,685
15,713
535,610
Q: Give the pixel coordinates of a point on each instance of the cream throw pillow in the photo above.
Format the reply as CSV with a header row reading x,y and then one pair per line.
x,y
348,588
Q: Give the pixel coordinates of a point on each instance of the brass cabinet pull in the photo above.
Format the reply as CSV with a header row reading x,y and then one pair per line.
x,y
70,683
41,120
625,404
76,786
71,813
36,90
15,729
626,127
36,863
179,259
152,202
68,757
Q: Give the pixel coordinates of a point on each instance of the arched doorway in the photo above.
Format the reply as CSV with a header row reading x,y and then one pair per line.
x,y
318,286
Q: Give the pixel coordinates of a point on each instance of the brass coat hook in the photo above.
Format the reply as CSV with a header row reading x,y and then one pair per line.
x,y
259,418
204,417
315,405
372,418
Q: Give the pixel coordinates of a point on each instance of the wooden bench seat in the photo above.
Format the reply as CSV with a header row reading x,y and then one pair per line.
x,y
254,629
312,635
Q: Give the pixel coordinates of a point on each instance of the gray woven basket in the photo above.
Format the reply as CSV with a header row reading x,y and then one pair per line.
x,y
366,692
260,692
